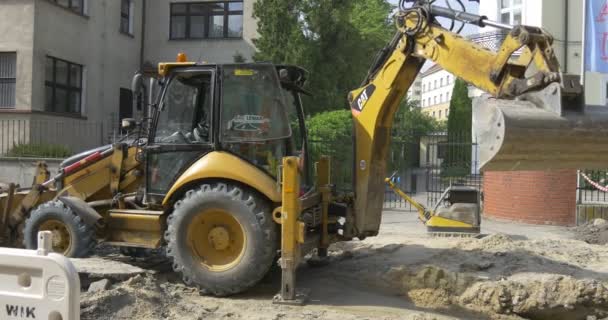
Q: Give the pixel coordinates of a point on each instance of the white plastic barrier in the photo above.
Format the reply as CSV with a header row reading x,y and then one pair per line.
x,y
38,284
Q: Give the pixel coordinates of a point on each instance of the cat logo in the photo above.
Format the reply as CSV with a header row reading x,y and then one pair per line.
x,y
359,103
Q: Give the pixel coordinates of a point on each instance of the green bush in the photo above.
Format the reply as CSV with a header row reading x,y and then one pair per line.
x,y
330,134
39,150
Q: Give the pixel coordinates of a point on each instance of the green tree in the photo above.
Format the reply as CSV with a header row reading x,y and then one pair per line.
x,y
457,161
409,126
335,40
330,134
410,119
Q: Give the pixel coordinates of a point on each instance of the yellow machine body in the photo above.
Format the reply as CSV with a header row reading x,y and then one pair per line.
x,y
314,218
223,165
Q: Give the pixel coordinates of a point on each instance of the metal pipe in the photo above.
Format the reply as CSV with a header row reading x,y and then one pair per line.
x,y
566,26
477,20
143,35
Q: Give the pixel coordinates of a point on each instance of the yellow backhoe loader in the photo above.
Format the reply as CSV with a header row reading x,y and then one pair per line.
x,y
217,178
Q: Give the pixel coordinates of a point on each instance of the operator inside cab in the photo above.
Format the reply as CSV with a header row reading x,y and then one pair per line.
x,y
254,121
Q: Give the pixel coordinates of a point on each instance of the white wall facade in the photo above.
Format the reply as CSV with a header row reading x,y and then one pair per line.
x,y
110,58
437,87
159,46
414,93
17,35
37,29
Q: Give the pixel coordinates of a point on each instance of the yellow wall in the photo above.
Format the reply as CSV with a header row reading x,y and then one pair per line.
x,y
443,107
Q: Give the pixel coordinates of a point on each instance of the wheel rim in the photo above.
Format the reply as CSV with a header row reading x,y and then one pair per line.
x,y
216,239
61,235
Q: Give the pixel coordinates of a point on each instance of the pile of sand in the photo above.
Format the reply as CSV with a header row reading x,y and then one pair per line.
x,y
497,275
594,232
539,297
144,297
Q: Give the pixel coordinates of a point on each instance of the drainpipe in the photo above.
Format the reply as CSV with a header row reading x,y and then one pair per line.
x,y
566,25
143,35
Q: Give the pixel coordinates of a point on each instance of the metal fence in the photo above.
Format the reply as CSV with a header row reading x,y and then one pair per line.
x,y
591,202
425,165
52,138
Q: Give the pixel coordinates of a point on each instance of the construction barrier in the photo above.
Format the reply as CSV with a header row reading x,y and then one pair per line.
x,y
38,284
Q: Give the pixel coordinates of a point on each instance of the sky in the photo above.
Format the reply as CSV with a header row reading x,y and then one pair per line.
x,y
472,7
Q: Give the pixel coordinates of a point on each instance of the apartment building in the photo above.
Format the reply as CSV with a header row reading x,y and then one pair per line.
x,y
66,65
414,93
437,87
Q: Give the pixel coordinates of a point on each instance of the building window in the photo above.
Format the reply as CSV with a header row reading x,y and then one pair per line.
x,y
435,99
441,82
433,114
439,113
203,20
510,11
8,78
126,16
435,84
63,86
74,5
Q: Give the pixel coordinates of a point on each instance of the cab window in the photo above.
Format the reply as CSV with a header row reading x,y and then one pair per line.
x,y
253,105
254,122
185,116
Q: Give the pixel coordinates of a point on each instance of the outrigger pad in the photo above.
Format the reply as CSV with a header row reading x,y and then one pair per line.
x,y
526,135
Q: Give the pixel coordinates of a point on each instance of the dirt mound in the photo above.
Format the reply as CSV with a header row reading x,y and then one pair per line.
x,y
539,297
527,295
143,297
493,242
429,286
594,232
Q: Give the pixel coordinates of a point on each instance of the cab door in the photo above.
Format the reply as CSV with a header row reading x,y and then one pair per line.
x,y
182,130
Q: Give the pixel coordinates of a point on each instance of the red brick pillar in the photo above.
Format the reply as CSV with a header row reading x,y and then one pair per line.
x,y
537,197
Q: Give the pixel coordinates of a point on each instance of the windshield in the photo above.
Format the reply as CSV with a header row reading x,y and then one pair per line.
x,y
185,113
254,105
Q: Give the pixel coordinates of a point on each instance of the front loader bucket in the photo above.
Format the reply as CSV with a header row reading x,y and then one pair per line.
x,y
522,135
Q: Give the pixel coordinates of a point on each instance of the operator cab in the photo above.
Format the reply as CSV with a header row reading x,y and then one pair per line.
x,y
243,109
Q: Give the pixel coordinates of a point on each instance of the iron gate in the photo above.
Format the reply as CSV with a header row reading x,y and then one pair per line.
x,y
426,164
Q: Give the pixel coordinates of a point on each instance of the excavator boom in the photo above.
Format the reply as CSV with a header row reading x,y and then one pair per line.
x,y
533,116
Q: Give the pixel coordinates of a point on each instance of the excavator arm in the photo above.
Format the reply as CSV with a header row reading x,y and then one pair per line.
x,y
534,117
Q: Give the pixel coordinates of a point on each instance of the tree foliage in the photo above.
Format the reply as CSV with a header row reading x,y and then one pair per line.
x,y
410,119
330,134
335,40
458,156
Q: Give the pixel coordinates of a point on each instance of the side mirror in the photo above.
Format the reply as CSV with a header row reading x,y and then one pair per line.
x,y
128,124
137,88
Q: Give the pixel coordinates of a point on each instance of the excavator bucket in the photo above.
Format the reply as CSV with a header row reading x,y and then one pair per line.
x,y
537,132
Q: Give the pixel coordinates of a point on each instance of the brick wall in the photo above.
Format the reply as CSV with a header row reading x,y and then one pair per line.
x,y
537,197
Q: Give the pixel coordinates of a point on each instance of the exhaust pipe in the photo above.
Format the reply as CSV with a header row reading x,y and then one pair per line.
x,y
536,133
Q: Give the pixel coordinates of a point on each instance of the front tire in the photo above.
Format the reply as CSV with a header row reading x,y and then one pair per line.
x,y
222,238
71,236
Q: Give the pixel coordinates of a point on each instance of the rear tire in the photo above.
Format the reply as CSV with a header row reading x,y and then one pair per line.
x,y
222,238
71,236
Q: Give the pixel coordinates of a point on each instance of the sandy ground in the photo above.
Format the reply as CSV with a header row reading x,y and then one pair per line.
x,y
516,272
